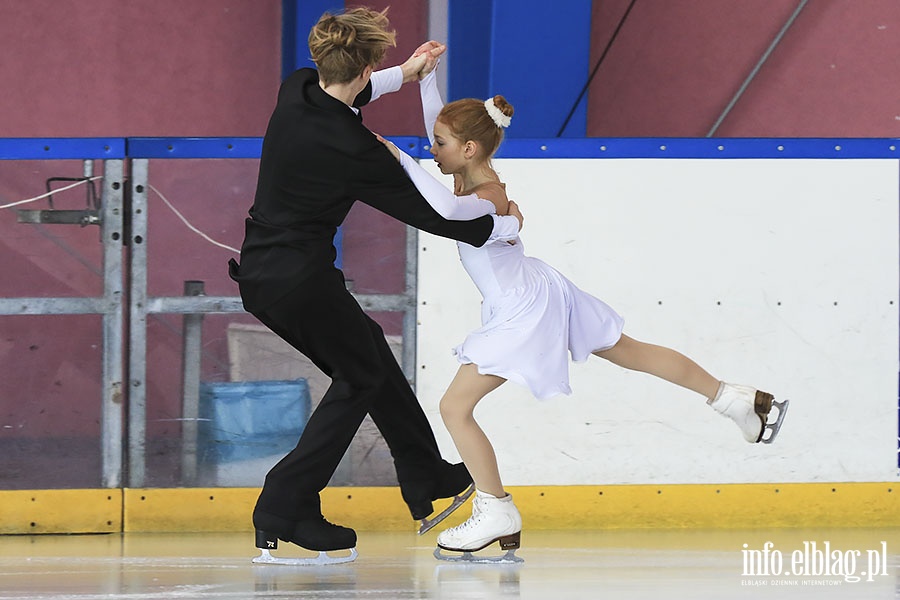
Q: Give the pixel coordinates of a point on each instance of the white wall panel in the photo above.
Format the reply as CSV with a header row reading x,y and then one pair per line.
x,y
781,274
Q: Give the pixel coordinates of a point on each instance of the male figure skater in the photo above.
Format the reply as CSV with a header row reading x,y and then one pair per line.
x,y
317,159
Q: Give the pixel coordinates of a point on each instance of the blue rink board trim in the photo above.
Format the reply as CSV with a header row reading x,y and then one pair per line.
x,y
701,148
61,148
250,147
840,148
207,147
242,147
417,147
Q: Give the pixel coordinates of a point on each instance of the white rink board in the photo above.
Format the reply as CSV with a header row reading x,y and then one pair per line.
x,y
776,273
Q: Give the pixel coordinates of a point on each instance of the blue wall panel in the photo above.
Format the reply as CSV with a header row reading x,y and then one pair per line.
x,y
531,51
469,41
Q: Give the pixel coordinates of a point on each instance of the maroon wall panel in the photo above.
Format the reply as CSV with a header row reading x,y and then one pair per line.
x,y
834,75
120,68
676,65
128,68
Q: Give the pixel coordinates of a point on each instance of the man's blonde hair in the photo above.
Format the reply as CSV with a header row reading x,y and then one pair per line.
x,y
343,45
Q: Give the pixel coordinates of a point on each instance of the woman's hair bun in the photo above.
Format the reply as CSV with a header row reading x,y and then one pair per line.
x,y
505,107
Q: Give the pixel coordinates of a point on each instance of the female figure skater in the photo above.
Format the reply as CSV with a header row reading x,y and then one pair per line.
x,y
317,160
531,317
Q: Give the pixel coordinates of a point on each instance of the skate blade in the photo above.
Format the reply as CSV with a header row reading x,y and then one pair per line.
x,y
265,558
428,524
773,428
469,557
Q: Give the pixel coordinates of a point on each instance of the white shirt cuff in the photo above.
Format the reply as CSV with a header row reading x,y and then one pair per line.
x,y
506,227
386,81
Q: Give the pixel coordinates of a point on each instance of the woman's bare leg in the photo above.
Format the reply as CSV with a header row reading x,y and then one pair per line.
x,y
662,362
457,408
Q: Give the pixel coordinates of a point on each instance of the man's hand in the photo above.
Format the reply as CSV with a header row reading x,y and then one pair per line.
x,y
423,61
514,211
433,51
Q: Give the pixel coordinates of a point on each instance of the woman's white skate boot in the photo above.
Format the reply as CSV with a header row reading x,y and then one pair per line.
x,y
493,520
750,408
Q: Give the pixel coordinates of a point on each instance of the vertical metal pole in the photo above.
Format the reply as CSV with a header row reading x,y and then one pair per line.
x,y
439,29
192,329
137,355
410,315
111,420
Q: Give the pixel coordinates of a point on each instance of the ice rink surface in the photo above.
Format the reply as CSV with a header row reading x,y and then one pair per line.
x,y
559,565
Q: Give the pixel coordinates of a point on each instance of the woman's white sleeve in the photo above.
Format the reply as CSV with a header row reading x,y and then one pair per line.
x,y
442,200
431,102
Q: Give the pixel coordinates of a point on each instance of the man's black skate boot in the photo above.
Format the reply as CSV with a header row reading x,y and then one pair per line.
x,y
448,481
313,533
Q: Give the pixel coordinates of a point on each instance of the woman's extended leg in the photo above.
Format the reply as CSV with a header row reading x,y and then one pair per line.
x,y
457,407
663,362
746,406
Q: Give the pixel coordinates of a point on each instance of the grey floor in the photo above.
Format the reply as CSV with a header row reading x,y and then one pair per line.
x,y
558,565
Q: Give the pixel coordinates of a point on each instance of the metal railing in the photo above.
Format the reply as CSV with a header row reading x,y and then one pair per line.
x,y
126,163
110,305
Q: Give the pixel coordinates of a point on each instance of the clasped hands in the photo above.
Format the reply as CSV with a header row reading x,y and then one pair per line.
x,y
423,61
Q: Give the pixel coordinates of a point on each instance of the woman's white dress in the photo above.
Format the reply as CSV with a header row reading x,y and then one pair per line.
x,y
532,317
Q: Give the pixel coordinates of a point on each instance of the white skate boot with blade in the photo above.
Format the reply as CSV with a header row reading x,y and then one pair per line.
x,y
750,409
493,520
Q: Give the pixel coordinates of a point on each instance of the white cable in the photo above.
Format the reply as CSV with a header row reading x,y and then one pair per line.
x,y
50,193
189,226
158,193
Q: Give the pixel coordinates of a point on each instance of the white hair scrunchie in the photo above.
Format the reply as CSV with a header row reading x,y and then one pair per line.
x,y
496,114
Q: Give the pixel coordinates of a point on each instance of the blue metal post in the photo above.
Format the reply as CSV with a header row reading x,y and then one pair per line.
x,y
533,52
469,42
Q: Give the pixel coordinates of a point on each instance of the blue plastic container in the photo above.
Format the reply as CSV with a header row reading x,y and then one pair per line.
x,y
251,419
